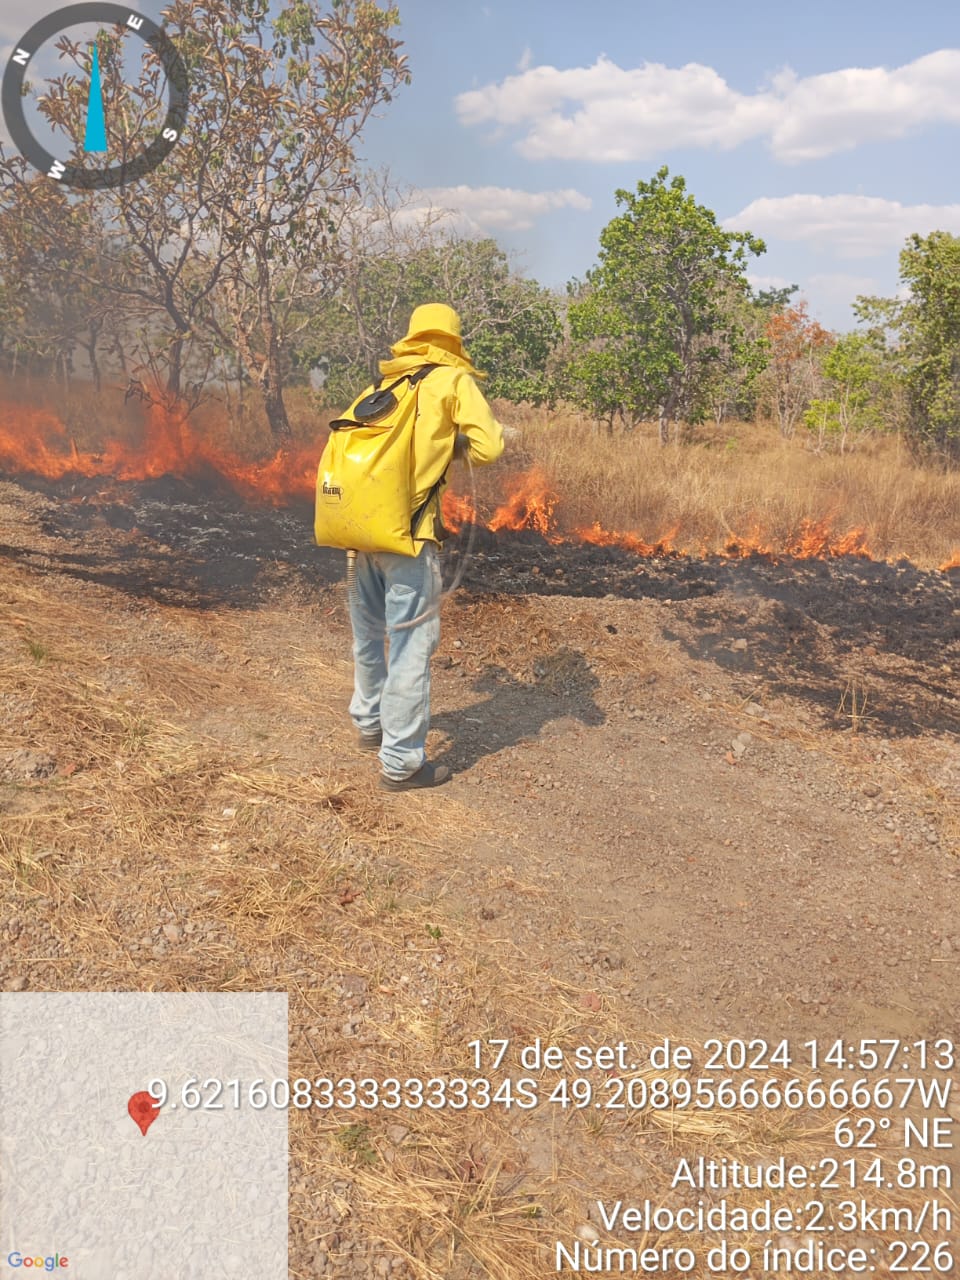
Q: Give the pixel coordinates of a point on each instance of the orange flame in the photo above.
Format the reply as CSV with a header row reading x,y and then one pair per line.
x,y
35,442
601,537
814,540
529,506
457,510
739,546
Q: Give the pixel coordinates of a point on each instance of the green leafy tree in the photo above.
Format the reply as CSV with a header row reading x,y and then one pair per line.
x,y
654,318
929,333
768,300
919,334
510,324
513,330
730,377
858,378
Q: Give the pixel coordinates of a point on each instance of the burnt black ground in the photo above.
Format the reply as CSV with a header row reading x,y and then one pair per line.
x,y
183,544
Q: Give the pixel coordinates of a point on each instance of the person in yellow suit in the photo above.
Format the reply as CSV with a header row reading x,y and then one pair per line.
x,y
391,698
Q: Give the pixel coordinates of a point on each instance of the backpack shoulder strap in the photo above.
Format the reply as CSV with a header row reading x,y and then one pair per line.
x,y
421,373
380,400
413,378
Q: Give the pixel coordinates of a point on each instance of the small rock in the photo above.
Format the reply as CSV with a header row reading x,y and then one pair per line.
x,y
16,984
172,932
396,1133
23,765
870,789
13,927
587,1233
229,813
739,646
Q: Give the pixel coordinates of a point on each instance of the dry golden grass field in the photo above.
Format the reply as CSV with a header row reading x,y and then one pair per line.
x,y
722,815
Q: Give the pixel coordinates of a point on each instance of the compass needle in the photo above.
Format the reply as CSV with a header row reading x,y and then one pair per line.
x,y
145,133
96,135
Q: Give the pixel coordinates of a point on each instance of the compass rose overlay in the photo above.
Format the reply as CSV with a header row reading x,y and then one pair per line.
x,y
151,154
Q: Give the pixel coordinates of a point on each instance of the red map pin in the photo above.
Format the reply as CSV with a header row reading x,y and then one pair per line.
x,y
143,1110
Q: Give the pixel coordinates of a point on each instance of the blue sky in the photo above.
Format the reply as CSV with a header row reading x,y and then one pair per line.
x,y
828,129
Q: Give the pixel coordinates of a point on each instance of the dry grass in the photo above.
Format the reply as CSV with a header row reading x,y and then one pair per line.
x,y
292,871
236,425
738,479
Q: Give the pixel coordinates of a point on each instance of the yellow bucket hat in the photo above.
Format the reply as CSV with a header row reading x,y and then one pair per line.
x,y
434,317
434,333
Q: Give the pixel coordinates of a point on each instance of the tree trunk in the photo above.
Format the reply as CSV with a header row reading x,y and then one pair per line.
x,y
663,425
273,404
94,362
175,371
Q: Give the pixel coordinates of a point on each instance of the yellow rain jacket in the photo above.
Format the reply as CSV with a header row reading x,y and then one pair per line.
x,y
449,402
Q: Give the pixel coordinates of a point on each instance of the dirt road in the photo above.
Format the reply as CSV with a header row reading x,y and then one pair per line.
x,y
708,816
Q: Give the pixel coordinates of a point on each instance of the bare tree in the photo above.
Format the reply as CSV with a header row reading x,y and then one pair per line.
x,y
233,238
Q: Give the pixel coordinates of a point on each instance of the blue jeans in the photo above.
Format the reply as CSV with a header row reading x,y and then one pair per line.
x,y
393,694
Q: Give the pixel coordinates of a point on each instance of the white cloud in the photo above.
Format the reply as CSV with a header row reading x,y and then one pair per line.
x,y
609,113
767,282
499,208
830,288
853,226
840,110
